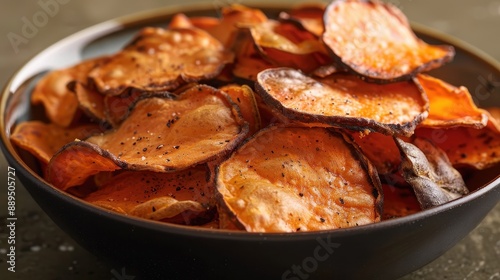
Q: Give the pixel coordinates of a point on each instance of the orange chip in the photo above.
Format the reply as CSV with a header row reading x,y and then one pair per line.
x,y
156,196
232,17
399,202
244,97
288,45
180,20
61,105
287,179
375,41
176,132
44,140
76,162
465,146
161,60
90,101
309,15
380,149
450,106
344,101
248,62
116,107
493,114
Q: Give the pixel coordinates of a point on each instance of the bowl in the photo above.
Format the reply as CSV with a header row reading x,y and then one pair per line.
x,y
153,250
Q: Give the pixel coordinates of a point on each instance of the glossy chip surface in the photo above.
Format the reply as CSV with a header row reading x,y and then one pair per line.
x,y
297,179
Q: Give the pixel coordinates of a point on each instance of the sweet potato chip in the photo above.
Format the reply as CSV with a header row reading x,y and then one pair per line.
x,y
76,162
44,140
399,202
90,101
344,101
309,15
156,196
248,62
380,149
116,107
232,17
61,105
465,146
493,114
427,169
161,60
297,179
176,132
288,45
375,41
244,97
450,106
180,20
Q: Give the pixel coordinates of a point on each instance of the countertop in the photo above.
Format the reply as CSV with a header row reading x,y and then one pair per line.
x,y
45,252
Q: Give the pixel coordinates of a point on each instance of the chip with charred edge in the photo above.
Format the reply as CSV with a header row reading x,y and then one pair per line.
x,y
74,163
343,100
380,149
160,59
176,132
61,105
287,179
43,140
154,195
309,15
287,44
375,41
450,106
116,107
465,146
427,169
244,97
90,102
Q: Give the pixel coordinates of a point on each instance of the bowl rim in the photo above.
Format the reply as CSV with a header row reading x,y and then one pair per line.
x,y
133,20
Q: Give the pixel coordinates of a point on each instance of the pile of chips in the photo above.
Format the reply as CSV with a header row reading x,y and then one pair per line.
x,y
320,118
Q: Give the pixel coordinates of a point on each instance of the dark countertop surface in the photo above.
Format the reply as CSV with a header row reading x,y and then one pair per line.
x,y
45,252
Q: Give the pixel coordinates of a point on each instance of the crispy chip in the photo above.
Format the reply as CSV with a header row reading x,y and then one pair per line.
x,y
427,169
248,62
380,149
399,202
344,101
288,45
44,140
160,60
156,196
232,17
244,97
297,179
173,133
61,105
375,41
465,146
116,107
309,15
450,106
90,101
76,162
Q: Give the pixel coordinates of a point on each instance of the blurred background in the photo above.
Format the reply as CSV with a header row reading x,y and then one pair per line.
x,y
45,252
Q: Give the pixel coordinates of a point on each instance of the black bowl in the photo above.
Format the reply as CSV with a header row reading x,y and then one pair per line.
x,y
385,250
